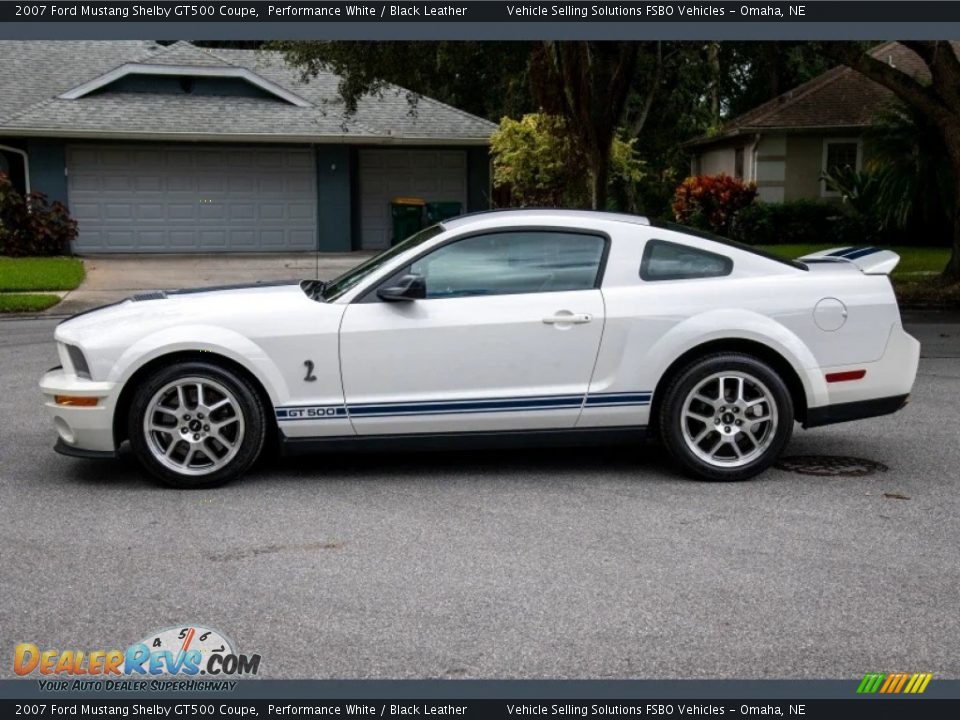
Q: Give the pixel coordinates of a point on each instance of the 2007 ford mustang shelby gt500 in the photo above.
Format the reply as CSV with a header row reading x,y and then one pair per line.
x,y
522,325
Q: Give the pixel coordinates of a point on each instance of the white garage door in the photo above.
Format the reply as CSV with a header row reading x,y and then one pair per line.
x,y
434,175
167,198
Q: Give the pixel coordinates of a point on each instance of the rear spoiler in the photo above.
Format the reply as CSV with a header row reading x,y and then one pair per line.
x,y
870,260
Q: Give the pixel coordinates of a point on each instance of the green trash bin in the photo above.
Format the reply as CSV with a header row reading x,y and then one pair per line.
x,y
440,211
407,213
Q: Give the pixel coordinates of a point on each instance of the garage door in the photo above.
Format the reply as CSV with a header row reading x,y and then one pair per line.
x,y
192,199
434,175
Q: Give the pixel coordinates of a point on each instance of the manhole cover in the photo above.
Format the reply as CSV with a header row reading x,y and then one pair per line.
x,y
830,465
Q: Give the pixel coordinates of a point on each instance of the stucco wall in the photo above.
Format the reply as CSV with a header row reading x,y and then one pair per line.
x,y
716,161
804,159
771,159
805,164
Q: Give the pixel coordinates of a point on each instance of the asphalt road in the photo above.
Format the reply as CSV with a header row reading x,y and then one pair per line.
x,y
537,564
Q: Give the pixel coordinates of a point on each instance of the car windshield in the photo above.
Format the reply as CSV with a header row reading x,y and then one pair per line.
x,y
336,288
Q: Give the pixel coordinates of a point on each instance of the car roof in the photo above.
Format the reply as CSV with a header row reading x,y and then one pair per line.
x,y
514,214
489,219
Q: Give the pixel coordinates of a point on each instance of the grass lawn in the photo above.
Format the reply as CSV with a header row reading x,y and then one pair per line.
x,y
40,273
26,302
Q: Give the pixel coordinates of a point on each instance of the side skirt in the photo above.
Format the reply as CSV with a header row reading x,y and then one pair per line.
x,y
574,437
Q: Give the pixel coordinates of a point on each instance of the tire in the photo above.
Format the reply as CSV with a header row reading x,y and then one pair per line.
x,y
726,438
224,425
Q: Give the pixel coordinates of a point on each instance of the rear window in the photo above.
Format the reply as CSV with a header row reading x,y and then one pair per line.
x,y
704,235
664,260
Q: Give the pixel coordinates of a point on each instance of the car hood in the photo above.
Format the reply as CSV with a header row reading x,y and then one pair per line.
x,y
224,305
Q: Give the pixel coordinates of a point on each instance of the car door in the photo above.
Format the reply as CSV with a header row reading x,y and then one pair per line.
x,y
505,337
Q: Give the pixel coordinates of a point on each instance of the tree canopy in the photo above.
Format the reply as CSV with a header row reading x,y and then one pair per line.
x,y
657,93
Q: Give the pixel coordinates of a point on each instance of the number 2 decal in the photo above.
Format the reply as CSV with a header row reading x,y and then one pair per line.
x,y
310,377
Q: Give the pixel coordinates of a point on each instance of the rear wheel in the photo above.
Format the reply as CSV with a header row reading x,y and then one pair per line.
x,y
726,417
196,425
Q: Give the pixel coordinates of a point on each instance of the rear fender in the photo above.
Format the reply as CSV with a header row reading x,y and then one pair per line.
x,y
738,324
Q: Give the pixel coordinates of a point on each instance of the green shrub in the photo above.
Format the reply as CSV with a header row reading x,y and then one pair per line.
x,y
801,222
536,162
32,225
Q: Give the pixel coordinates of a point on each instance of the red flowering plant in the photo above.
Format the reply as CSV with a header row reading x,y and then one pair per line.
x,y
710,202
33,225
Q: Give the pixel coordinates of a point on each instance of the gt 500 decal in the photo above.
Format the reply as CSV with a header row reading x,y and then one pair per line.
x,y
323,412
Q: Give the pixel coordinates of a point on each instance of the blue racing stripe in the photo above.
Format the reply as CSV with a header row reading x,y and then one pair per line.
x,y
862,252
467,405
607,399
460,401
453,410
462,406
853,253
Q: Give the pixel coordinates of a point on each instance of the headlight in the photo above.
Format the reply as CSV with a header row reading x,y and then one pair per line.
x,y
78,361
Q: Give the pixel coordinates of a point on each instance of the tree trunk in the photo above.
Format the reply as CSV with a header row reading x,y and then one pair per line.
x,y
951,273
713,60
773,59
599,175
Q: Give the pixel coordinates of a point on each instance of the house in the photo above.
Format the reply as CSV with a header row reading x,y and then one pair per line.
x,y
184,149
786,144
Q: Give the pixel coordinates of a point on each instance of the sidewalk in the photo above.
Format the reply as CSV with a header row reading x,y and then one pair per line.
x,y
111,278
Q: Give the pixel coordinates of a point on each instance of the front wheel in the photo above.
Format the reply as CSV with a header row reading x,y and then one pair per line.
x,y
196,425
726,417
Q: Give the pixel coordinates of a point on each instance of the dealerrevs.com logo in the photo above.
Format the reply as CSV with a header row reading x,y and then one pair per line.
x,y
189,651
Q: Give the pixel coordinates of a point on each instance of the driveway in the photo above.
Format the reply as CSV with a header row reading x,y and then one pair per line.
x,y
561,563
114,277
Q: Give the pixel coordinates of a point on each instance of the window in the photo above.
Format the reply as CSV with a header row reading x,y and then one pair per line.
x,y
839,155
664,260
336,288
509,263
704,235
738,163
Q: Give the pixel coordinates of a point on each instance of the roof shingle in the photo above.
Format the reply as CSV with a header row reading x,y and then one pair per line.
x,y
839,98
34,74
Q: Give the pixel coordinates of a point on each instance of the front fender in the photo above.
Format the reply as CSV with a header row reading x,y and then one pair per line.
x,y
219,340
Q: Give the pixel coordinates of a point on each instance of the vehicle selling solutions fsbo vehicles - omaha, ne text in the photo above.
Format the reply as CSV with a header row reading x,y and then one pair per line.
x,y
529,326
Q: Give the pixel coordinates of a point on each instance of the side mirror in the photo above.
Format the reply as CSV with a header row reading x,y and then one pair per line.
x,y
409,287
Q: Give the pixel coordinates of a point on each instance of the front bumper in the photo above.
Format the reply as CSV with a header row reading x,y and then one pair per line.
x,y
61,447
81,429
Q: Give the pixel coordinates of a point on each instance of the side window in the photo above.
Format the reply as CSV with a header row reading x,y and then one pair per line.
x,y
664,260
509,263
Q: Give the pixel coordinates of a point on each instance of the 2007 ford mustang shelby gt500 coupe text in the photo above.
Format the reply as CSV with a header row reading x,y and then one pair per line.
x,y
522,325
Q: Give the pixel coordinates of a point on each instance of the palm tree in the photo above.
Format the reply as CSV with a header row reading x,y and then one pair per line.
x,y
914,183
907,185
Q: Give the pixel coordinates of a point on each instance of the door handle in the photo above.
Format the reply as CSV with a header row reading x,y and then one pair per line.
x,y
565,317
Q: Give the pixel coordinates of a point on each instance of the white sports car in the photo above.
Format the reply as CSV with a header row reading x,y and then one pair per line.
x,y
522,326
